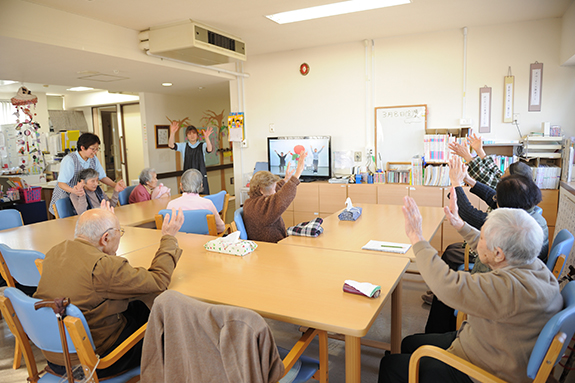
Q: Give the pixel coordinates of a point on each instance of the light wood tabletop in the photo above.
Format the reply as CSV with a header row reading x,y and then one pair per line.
x,y
300,285
140,213
42,236
377,222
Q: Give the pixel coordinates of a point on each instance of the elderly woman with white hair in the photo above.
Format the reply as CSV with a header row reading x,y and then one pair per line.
x,y
506,308
148,187
192,185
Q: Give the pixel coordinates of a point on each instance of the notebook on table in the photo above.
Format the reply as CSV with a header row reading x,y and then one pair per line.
x,y
388,247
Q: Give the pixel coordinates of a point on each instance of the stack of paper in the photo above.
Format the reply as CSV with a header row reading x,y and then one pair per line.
x,y
389,247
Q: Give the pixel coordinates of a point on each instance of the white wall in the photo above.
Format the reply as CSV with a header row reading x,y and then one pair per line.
x,y
568,37
415,69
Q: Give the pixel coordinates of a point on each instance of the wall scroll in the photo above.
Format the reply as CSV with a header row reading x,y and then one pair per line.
x,y
509,87
485,109
162,135
535,86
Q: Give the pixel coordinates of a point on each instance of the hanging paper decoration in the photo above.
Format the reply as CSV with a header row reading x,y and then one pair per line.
x,y
28,136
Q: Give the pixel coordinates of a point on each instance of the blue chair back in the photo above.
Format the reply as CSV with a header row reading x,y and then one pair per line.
x,y
239,220
563,321
10,218
41,325
562,244
538,210
217,199
64,207
124,195
195,221
260,166
21,264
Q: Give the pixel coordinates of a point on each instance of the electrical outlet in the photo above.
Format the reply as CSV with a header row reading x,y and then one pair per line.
x,y
357,156
231,180
272,128
516,118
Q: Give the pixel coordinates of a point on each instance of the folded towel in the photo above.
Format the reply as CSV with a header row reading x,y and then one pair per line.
x,y
350,214
307,229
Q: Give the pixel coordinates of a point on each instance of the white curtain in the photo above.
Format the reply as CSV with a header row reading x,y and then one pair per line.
x,y
7,111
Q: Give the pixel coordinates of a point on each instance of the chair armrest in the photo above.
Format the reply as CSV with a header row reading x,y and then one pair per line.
x,y
461,317
298,349
559,265
448,358
233,227
39,262
84,348
159,221
227,230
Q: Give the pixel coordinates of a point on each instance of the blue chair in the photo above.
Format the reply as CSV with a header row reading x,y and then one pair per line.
x,y
41,327
19,266
538,210
221,201
238,224
559,252
10,218
549,348
195,221
63,208
124,195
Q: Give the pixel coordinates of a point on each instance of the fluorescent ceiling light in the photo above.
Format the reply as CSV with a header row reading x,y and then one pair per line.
x,y
7,82
334,9
79,89
167,84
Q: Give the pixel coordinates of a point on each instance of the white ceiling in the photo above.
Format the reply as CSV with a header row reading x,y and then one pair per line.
x,y
244,19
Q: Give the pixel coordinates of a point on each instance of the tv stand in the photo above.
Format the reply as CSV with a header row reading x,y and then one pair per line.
x,y
308,179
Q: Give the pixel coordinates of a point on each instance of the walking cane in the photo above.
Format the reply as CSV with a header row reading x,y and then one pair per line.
x,y
59,307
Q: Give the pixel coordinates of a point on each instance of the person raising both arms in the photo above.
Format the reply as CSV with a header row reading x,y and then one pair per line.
x,y
84,158
193,151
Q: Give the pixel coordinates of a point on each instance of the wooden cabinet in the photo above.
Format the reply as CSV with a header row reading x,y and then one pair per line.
x,y
331,198
362,193
389,194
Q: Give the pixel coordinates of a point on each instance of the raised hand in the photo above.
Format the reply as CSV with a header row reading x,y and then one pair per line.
x,y
79,189
173,223
477,144
105,205
120,185
289,172
460,150
457,171
452,211
412,220
174,126
208,132
300,164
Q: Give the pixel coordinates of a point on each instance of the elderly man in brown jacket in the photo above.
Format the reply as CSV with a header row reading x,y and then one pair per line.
x,y
106,288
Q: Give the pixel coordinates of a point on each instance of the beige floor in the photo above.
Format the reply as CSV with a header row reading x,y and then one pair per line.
x,y
414,317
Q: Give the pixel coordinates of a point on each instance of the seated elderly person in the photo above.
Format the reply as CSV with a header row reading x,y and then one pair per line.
x,y
93,194
507,308
192,185
109,291
148,187
270,196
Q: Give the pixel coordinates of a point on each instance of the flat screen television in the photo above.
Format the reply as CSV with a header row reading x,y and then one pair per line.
x,y
284,150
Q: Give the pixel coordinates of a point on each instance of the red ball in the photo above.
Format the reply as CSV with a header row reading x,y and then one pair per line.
x,y
299,149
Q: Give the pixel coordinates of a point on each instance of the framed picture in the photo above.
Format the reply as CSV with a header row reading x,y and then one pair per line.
x,y
162,135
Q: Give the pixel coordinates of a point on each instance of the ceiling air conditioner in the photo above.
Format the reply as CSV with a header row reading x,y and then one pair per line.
x,y
192,42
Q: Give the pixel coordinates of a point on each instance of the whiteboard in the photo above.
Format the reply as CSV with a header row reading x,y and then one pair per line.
x,y
399,132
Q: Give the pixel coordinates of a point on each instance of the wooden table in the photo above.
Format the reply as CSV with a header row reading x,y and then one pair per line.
x,y
293,284
140,213
377,222
42,236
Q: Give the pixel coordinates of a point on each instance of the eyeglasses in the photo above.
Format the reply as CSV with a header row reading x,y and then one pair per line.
x,y
122,231
94,149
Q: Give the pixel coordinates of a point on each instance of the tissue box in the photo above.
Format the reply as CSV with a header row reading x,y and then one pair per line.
x,y
239,248
350,215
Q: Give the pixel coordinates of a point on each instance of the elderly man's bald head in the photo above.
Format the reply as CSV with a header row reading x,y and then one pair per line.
x,y
93,223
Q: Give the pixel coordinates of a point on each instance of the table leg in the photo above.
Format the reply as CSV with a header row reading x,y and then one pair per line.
x,y
396,319
352,359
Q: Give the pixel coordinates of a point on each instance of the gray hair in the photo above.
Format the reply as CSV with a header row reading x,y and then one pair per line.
x,y
92,224
516,233
192,181
87,174
146,175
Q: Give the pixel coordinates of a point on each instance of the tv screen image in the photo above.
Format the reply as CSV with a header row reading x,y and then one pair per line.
x,y
284,150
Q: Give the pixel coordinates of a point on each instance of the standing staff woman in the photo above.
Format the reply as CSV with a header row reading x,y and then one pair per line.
x,y
85,157
194,151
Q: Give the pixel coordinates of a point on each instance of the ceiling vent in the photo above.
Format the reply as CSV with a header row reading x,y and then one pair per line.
x,y
193,42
